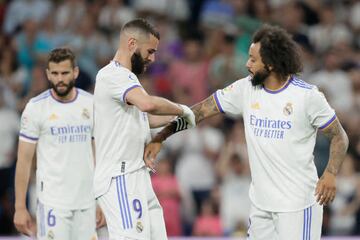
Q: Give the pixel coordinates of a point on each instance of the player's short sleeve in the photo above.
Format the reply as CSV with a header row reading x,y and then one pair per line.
x,y
319,111
229,100
121,84
29,124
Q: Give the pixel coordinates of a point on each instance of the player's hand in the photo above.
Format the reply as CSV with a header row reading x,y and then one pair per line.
x,y
24,222
326,188
150,153
100,218
189,116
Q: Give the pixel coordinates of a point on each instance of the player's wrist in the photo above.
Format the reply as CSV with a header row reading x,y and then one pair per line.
x,y
159,138
20,207
331,170
182,107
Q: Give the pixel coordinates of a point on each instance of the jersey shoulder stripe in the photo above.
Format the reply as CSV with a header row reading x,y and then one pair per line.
x,y
28,137
41,96
84,93
300,83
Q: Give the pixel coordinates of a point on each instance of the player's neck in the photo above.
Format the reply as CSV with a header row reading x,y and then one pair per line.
x,y
122,59
68,98
274,82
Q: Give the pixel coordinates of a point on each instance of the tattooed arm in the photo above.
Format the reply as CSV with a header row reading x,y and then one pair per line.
x,y
326,186
338,146
205,109
202,110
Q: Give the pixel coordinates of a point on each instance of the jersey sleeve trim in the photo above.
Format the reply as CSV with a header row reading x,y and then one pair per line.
x,y
328,123
127,90
218,105
28,138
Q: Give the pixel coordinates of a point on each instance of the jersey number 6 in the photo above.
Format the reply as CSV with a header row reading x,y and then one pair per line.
x,y
51,219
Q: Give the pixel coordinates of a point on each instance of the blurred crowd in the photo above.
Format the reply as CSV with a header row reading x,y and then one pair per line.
x,y
202,177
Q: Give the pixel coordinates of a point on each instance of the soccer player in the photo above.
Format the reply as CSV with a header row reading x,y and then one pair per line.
x,y
282,115
124,113
57,125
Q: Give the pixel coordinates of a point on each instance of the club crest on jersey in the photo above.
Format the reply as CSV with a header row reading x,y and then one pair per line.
x,y
50,235
86,113
139,227
288,109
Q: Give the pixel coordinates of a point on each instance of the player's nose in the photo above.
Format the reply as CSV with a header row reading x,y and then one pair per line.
x,y
248,65
151,58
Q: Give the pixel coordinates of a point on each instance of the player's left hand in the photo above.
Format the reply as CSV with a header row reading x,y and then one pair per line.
x,y
100,218
326,188
150,153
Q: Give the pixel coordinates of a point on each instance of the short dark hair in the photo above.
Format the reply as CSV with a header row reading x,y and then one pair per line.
x,y
278,50
58,55
143,25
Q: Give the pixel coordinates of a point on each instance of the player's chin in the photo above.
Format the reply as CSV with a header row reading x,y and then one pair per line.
x,y
61,92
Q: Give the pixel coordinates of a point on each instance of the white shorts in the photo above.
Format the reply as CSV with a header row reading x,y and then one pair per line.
x,y
131,208
60,224
303,225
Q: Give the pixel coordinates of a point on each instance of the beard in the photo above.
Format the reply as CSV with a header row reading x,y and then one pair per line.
x,y
62,93
259,78
138,64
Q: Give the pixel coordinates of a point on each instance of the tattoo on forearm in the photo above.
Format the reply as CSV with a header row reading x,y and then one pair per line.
x,y
205,109
338,146
202,110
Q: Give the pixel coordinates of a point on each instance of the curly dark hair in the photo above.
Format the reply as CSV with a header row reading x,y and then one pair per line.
x,y
278,50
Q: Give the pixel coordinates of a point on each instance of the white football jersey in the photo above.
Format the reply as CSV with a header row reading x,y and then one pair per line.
x,y
280,131
121,130
63,134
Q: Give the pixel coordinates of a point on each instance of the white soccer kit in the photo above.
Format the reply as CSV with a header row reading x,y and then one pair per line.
x,y
121,180
65,167
280,131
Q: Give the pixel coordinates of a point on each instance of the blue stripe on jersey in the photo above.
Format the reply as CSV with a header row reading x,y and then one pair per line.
x,y
304,224
310,223
218,102
28,137
42,96
119,200
307,223
42,219
124,202
301,83
280,89
328,122
127,90
84,93
127,201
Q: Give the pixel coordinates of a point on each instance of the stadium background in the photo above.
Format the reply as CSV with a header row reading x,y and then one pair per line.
x,y
203,175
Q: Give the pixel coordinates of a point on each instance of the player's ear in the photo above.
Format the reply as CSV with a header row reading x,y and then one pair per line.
x,y
76,72
269,68
48,73
132,44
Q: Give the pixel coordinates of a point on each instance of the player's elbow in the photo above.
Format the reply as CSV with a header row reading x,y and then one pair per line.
x,y
345,141
147,106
